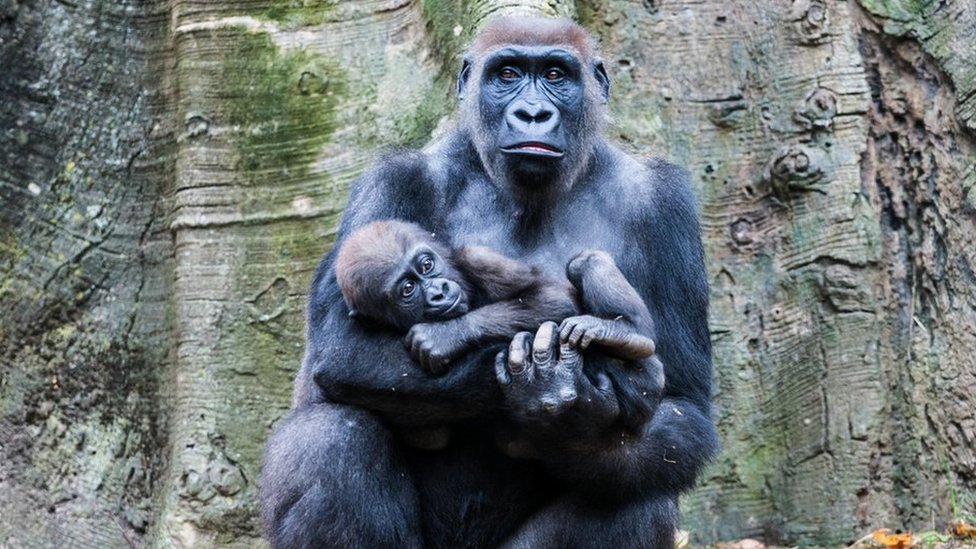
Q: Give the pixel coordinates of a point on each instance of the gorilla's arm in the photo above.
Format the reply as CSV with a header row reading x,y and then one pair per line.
x,y
623,326
501,277
574,431
349,363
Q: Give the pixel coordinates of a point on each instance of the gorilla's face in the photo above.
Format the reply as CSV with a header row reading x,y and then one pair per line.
x,y
533,116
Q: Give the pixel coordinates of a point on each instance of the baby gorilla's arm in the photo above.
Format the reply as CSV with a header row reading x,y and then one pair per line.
x,y
617,319
499,276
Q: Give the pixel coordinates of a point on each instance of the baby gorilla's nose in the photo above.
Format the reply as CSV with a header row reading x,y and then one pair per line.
x,y
438,291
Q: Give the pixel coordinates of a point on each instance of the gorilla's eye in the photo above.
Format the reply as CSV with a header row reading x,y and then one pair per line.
x,y
407,288
507,73
426,264
554,74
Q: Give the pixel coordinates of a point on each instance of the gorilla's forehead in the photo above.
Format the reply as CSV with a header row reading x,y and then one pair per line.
x,y
520,53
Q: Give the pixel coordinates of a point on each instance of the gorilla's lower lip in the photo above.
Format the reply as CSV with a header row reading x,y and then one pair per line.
x,y
533,148
456,307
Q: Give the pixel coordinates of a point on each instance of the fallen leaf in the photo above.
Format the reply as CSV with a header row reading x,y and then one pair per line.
x,y
963,530
886,539
742,544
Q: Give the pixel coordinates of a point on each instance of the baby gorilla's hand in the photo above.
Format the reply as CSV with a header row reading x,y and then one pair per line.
x,y
433,345
617,336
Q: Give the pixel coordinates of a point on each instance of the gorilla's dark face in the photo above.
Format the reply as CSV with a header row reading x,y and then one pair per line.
x,y
535,115
531,98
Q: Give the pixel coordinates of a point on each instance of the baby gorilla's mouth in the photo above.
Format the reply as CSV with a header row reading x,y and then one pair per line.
x,y
458,308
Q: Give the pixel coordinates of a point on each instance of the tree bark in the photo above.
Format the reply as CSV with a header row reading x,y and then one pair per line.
x,y
172,171
85,273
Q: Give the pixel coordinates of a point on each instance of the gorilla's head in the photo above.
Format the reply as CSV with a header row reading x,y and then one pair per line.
x,y
534,95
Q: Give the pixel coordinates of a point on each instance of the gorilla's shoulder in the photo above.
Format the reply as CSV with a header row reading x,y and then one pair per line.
x,y
669,183
672,196
398,167
643,180
399,185
667,173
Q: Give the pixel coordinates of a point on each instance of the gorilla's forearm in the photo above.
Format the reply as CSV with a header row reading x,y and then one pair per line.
x,y
372,370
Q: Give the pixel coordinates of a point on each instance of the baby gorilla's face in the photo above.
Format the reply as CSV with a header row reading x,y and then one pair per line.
x,y
425,287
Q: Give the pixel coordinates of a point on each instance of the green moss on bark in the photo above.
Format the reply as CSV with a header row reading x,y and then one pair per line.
x,y
283,104
945,34
449,26
296,13
896,11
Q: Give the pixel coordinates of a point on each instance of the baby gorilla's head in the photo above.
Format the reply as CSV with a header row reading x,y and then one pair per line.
x,y
395,273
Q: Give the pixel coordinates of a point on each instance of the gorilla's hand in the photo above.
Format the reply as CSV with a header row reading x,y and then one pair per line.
x,y
434,345
543,384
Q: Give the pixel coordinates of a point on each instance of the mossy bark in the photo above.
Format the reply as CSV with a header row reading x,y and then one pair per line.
x,y
172,171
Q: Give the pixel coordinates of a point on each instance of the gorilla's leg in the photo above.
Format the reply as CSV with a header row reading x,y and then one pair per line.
x,y
334,477
471,496
579,523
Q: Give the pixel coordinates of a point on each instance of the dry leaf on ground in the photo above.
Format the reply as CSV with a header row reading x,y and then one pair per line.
x,y
886,539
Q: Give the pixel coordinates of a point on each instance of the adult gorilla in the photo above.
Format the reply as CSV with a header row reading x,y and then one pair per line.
x,y
529,173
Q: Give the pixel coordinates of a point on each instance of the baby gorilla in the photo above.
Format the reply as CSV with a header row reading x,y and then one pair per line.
x,y
395,274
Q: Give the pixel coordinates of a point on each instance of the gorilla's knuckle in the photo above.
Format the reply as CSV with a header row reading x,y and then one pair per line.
x,y
542,357
550,405
516,367
567,394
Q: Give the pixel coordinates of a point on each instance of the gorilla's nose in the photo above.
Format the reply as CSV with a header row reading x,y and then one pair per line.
x,y
532,118
439,290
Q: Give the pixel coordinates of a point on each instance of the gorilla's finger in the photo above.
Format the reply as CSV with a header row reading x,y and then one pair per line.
x,y
431,362
565,329
544,345
438,365
518,355
603,383
501,373
576,335
425,361
570,360
586,340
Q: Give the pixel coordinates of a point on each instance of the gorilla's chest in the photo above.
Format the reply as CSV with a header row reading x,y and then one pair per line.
x,y
549,243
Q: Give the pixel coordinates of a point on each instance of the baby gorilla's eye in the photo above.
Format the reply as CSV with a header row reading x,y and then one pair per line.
x,y
408,287
426,265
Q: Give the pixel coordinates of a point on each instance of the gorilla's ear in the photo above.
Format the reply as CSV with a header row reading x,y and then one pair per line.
x,y
600,74
463,75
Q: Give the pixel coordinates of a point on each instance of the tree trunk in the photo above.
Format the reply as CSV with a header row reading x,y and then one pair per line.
x,y
172,171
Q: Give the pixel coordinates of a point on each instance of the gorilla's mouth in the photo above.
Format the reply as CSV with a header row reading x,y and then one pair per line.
x,y
458,308
533,148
